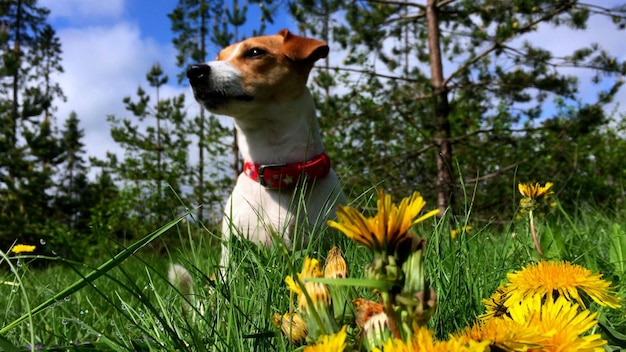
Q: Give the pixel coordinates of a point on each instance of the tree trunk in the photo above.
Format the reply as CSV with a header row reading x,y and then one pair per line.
x,y
235,146
200,185
14,119
442,111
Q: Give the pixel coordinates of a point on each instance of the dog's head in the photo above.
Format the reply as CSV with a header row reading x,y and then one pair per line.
x,y
256,72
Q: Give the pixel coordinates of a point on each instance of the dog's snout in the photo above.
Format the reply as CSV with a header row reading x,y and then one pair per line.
x,y
198,72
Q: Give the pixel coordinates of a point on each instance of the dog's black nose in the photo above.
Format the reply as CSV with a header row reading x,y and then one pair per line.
x,y
198,72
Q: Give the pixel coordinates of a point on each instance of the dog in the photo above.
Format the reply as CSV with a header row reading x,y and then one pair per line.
x,y
261,83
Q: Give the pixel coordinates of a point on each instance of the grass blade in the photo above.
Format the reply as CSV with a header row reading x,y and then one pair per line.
x,y
96,273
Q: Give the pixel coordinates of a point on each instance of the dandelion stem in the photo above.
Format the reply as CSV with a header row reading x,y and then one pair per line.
x,y
534,232
391,317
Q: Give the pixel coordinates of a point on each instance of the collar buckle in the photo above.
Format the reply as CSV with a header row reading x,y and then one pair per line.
x,y
261,172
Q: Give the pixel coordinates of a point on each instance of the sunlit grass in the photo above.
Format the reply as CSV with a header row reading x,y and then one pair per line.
x,y
130,304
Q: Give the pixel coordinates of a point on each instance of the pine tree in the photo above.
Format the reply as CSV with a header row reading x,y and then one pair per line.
x,y
31,55
72,177
421,77
200,26
155,148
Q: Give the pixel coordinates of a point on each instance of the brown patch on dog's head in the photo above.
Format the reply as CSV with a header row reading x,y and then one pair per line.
x,y
274,67
303,50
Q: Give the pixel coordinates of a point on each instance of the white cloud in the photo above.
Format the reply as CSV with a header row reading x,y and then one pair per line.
x,y
104,64
84,10
563,41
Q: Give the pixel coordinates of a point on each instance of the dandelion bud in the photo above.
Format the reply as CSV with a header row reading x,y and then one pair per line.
x,y
292,326
365,310
376,330
533,194
415,273
23,248
319,311
319,295
335,266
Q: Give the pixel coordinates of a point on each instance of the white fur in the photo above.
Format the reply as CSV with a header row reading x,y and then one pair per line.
x,y
272,130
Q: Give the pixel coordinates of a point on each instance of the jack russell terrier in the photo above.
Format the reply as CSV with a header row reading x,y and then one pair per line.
x,y
261,83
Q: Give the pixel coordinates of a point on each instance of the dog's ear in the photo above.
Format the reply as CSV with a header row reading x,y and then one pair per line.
x,y
298,48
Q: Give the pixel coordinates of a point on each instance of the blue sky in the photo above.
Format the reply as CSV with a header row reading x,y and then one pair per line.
x,y
109,45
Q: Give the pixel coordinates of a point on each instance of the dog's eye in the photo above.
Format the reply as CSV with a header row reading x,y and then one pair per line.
x,y
255,52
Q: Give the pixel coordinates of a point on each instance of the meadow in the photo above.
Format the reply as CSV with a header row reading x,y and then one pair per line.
x,y
126,302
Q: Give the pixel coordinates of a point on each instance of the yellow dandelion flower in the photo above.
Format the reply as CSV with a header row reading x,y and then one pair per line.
x,y
23,248
463,345
333,343
310,269
317,292
454,233
494,305
335,266
503,333
422,340
563,279
292,325
532,193
376,330
388,230
365,309
561,323
319,295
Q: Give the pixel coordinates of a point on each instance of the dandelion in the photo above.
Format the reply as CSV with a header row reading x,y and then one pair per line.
x,y
310,269
494,305
335,266
318,293
365,309
333,343
454,233
386,232
533,194
569,325
422,340
314,299
376,330
292,325
560,322
23,248
503,333
561,278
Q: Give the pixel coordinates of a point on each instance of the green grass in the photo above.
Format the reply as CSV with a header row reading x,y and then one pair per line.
x,y
126,302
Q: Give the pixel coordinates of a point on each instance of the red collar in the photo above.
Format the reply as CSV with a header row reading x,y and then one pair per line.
x,y
283,176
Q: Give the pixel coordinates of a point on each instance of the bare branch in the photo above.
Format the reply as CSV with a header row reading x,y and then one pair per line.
x,y
372,73
405,17
601,10
495,173
476,58
491,130
394,2
444,3
494,46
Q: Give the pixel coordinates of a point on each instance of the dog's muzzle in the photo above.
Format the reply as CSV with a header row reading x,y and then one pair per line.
x,y
198,74
209,93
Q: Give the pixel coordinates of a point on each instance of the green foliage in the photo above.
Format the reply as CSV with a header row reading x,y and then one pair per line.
x,y
513,116
30,54
197,26
155,159
126,302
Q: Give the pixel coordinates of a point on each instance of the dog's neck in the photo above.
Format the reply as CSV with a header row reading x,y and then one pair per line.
x,y
280,132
